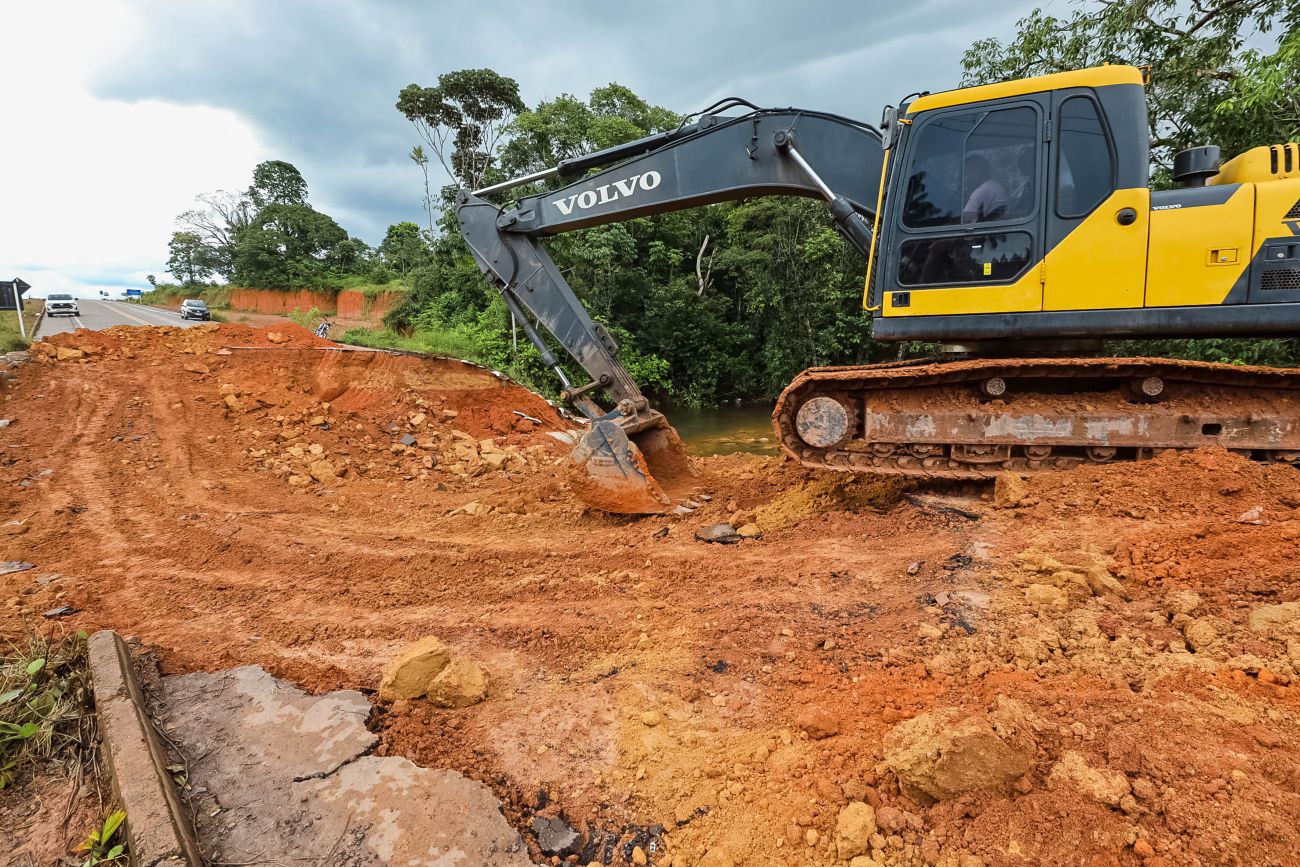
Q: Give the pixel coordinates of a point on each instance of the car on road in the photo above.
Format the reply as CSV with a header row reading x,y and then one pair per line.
x,y
62,305
194,308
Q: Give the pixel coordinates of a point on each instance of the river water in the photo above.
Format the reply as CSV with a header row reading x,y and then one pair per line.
x,y
725,430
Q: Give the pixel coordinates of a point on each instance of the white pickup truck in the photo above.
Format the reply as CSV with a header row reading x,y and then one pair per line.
x,y
57,305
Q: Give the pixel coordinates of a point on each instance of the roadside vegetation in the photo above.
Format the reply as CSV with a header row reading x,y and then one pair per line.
x,y
49,742
45,698
727,302
11,338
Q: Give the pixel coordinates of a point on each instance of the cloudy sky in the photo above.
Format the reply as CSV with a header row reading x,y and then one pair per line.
x,y
119,112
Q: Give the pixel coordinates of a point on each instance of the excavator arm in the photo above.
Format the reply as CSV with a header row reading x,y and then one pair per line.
x,y
631,460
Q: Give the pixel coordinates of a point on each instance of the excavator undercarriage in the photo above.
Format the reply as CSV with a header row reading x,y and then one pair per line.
x,y
973,419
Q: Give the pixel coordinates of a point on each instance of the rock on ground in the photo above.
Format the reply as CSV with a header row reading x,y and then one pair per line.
x,y
853,829
277,775
1268,618
818,722
944,753
1009,490
1100,784
461,684
428,669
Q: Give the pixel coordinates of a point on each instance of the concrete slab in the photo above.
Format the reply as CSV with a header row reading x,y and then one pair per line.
x,y
276,774
156,821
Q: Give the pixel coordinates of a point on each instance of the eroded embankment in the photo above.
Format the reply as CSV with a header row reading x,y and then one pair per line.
x,y
1094,667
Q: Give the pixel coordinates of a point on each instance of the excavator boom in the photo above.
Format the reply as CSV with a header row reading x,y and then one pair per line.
x,y
631,460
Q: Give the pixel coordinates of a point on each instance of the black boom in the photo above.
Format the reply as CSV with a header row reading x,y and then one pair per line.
x,y
781,152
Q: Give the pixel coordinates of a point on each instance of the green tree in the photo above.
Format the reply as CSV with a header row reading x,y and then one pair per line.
x,y
276,182
218,222
403,248
421,159
189,259
289,246
463,119
1208,86
566,127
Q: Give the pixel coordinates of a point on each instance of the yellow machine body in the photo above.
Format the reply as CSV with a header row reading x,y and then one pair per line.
x,y
1024,210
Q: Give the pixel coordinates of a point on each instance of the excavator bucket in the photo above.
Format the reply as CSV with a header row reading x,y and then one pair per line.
x,y
631,474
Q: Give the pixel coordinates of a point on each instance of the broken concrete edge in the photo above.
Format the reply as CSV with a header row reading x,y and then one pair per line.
x,y
157,824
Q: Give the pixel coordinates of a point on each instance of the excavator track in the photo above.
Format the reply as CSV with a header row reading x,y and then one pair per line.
x,y
975,418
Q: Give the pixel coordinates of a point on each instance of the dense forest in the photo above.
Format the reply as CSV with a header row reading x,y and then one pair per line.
x,y
727,302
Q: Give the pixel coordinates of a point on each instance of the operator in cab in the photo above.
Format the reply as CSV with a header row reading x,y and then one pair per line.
x,y
988,198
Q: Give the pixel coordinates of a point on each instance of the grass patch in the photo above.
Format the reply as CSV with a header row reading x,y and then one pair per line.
x,y
373,291
308,319
45,699
368,287
100,846
11,338
427,340
164,294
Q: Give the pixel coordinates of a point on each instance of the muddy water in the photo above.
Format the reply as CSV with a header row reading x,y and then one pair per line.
x,y
726,430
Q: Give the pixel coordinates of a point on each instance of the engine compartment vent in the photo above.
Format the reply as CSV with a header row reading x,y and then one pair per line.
x,y
1294,213
1284,160
1281,278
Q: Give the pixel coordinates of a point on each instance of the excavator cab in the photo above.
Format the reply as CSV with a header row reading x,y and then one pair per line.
x,y
1020,214
1013,198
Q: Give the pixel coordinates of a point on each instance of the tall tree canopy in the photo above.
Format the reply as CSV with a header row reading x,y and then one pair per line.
x,y
218,224
1211,81
267,236
404,248
287,246
276,182
463,119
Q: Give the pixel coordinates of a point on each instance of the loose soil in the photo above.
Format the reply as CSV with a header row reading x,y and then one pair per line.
x,y
235,496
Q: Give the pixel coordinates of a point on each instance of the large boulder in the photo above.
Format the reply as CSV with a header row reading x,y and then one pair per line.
x,y
429,669
945,753
461,684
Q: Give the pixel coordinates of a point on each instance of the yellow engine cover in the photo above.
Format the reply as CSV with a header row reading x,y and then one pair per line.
x,y
1264,163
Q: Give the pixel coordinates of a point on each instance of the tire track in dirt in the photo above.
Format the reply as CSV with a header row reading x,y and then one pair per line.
x,y
589,626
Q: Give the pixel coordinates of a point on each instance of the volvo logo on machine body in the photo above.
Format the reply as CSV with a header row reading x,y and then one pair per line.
x,y
611,192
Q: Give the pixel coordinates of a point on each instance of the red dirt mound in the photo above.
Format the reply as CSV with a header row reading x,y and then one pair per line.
x,y
130,341
1107,672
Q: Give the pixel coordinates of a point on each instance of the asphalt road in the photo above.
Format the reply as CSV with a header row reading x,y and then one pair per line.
x,y
97,315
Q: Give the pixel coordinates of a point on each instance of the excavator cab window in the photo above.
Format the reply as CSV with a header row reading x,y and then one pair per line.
x,y
970,206
1085,167
973,167
966,259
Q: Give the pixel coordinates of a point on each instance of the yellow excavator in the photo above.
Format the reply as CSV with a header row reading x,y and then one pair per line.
x,y
1012,225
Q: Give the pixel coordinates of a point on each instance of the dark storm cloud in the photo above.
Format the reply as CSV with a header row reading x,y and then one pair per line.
x,y
318,79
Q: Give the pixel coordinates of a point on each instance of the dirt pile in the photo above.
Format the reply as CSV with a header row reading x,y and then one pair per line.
x,y
698,703
165,341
